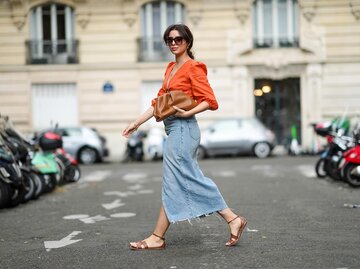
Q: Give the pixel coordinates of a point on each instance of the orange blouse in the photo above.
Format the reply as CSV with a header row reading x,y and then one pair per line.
x,y
191,78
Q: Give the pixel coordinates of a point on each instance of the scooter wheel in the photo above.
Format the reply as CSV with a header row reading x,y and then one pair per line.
x,y
320,168
72,173
351,175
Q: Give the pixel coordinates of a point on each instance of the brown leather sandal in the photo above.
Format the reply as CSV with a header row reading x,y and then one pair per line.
x,y
142,245
235,238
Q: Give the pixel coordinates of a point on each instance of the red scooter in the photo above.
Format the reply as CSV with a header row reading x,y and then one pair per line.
x,y
350,168
69,167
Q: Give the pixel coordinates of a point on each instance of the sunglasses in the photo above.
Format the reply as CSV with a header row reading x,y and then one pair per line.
x,y
178,40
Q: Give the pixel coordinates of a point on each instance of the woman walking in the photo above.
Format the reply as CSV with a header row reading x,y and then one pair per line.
x,y
186,192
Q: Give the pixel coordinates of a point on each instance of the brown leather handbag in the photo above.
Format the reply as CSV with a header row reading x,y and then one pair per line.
x,y
164,104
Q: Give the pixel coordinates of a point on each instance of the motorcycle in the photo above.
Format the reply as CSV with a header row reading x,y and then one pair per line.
x,y
12,186
38,165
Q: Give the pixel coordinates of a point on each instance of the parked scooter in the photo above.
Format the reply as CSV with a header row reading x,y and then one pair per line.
x,y
12,187
69,167
329,162
350,167
135,147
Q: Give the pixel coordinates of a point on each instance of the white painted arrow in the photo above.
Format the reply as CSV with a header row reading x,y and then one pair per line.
x,y
115,204
63,242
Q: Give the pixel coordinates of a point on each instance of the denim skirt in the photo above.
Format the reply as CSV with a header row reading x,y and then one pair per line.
x,y
186,192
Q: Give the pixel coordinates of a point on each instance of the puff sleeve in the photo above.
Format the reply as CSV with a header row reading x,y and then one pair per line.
x,y
201,88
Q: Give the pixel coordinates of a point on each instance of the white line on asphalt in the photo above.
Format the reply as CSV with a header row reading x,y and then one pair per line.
x,y
123,215
119,193
62,242
145,191
97,176
225,174
135,187
79,216
135,177
266,170
91,220
115,204
307,170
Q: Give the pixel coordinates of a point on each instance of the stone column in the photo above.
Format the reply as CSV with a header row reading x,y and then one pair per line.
x,y
311,103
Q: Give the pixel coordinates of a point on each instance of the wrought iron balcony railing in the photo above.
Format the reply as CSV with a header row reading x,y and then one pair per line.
x,y
52,52
153,50
282,43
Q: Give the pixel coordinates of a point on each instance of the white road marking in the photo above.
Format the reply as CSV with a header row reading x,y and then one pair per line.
x,y
135,187
145,191
97,176
62,242
226,174
123,215
266,169
115,204
79,216
261,167
307,170
252,230
91,220
119,193
135,177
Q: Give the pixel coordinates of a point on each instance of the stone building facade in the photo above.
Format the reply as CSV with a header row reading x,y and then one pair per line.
x,y
99,63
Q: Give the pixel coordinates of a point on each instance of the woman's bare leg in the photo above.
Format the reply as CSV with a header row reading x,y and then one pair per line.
x,y
161,227
235,223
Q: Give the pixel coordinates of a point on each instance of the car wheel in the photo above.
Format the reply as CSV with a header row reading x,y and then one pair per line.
x,y
201,153
88,156
262,150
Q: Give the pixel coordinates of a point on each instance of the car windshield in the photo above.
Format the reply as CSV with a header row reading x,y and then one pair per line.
x,y
72,132
225,125
256,124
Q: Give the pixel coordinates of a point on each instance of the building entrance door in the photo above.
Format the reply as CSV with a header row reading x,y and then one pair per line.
x,y
277,105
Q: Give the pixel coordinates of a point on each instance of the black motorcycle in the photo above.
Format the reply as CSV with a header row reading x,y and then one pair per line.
x,y
13,186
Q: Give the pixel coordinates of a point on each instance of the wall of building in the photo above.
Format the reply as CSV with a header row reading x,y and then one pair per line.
x,y
328,60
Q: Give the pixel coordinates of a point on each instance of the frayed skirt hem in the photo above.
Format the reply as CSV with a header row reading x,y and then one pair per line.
x,y
197,218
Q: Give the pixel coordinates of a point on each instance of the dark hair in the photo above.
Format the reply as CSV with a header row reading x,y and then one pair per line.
x,y
185,32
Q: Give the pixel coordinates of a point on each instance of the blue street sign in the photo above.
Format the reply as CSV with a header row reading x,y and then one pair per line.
x,y
108,87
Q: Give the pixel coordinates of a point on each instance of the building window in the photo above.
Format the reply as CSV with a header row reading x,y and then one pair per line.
x,y
52,30
275,23
155,18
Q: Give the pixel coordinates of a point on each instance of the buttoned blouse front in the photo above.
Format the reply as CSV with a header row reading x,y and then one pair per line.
x,y
190,78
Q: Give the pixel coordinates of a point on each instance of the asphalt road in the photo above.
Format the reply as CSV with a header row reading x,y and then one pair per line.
x,y
295,220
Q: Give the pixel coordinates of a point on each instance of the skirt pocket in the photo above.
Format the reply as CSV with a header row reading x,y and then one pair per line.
x,y
194,130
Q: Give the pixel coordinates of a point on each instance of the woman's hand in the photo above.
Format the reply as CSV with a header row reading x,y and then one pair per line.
x,y
181,113
132,127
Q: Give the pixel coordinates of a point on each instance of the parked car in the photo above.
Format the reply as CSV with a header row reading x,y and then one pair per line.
x,y
235,136
154,143
85,144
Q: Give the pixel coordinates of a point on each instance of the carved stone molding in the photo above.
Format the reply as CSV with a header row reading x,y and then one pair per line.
x,y
83,19
242,10
308,8
129,12
18,13
83,12
355,8
281,72
195,11
312,39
